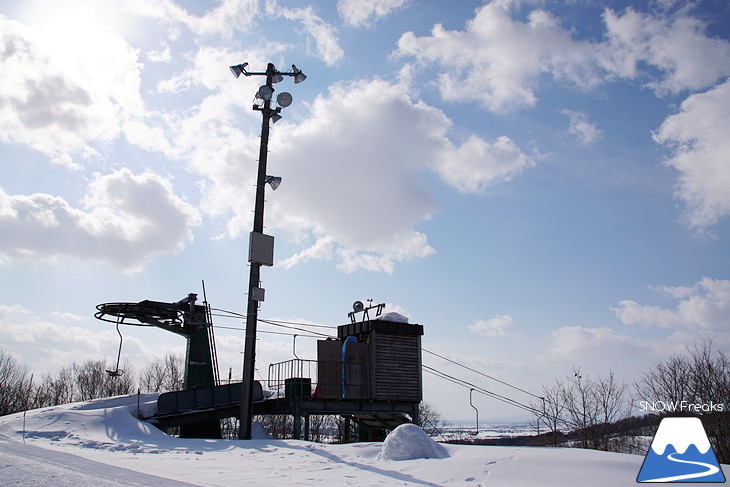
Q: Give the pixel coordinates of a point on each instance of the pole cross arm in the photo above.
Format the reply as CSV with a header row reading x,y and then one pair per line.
x,y
271,72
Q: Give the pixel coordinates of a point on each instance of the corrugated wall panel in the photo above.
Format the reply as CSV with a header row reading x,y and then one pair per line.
x,y
397,367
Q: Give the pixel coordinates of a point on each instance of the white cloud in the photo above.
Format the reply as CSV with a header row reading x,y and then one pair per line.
x,y
161,56
704,306
351,166
239,15
676,45
585,131
493,327
351,172
45,345
363,13
324,34
500,61
698,135
323,249
60,93
477,164
497,60
573,344
227,17
702,312
126,219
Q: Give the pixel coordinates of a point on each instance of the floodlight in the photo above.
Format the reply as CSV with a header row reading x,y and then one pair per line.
x,y
274,181
298,75
238,69
265,92
284,99
276,76
275,118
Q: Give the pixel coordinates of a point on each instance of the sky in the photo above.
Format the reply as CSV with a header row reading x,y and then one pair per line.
x,y
542,185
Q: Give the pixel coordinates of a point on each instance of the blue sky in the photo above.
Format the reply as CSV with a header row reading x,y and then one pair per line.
x,y
541,184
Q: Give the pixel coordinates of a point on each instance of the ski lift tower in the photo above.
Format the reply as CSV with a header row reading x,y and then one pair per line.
x,y
184,318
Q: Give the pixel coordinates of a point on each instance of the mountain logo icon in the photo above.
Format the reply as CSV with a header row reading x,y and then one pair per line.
x,y
680,452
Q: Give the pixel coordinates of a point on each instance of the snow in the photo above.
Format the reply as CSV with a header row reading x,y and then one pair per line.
x,y
102,443
409,442
393,316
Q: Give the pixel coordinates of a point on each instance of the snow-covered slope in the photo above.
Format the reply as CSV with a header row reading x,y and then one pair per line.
x,y
104,436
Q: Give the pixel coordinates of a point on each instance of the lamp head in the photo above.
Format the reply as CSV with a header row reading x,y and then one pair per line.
x,y
239,69
298,75
274,181
275,76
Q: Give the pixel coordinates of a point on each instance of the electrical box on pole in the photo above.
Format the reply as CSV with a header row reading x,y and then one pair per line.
x,y
261,249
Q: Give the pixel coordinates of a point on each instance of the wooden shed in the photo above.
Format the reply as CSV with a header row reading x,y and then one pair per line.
x,y
374,360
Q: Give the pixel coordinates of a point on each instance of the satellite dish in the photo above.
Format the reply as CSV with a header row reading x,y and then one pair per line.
x,y
357,306
284,99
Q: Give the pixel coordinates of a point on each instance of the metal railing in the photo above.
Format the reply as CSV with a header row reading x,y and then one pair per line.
x,y
301,378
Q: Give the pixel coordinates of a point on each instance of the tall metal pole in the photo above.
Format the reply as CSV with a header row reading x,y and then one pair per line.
x,y
249,349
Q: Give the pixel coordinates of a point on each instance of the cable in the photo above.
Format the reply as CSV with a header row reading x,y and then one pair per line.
x,y
304,324
232,314
294,328
486,392
267,331
483,374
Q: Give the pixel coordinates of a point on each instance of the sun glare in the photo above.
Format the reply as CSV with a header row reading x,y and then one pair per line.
x,y
75,21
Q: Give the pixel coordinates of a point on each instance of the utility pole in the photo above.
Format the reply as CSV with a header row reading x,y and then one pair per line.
x,y
261,247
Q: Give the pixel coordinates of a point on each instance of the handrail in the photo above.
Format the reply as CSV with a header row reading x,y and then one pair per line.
x,y
286,374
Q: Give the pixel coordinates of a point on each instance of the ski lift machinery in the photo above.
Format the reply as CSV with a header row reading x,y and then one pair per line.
x,y
184,318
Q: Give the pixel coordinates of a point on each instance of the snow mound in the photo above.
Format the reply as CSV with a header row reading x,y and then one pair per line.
x,y
392,316
409,442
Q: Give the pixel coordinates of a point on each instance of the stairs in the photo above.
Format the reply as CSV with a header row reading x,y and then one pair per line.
x,y
374,426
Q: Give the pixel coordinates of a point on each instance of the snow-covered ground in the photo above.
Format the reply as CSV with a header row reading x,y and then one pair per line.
x,y
101,443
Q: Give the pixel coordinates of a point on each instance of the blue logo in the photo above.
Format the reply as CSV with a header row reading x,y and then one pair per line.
x,y
680,452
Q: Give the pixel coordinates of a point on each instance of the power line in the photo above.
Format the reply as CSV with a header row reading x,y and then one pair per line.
x,y
483,374
312,325
233,314
486,392
274,323
283,324
269,332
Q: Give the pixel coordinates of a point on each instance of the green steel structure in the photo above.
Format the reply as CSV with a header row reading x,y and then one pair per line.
x,y
184,318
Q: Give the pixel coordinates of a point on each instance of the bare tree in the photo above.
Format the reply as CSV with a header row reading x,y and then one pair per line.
x,y
614,403
279,426
587,408
430,420
551,408
710,385
14,384
56,389
164,375
93,382
667,381
696,383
